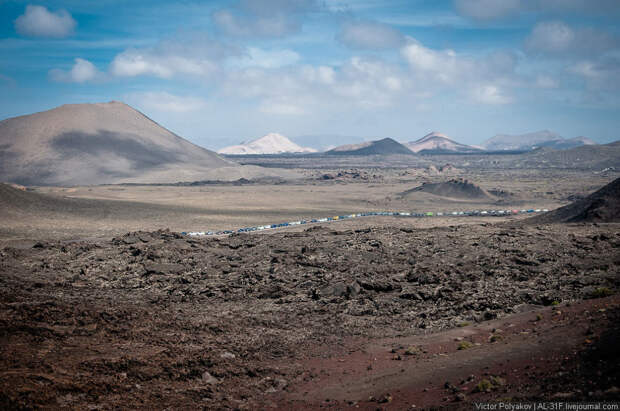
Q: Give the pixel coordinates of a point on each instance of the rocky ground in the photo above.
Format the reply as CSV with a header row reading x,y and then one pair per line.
x,y
566,352
156,319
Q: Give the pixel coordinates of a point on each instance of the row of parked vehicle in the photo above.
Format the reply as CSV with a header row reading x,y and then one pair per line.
x,y
368,214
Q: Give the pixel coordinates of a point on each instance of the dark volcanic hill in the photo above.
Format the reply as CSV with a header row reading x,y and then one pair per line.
x,y
80,144
385,146
461,189
601,206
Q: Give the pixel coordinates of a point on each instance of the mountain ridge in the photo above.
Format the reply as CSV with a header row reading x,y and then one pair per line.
x,y
533,140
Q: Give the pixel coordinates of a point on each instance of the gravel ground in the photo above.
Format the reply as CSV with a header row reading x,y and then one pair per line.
x,y
156,319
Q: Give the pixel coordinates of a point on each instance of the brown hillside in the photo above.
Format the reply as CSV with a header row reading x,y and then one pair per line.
x,y
104,143
601,206
461,189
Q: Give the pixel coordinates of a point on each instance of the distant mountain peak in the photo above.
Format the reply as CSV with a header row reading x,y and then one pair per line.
x,y
534,140
434,134
385,146
438,142
271,143
585,140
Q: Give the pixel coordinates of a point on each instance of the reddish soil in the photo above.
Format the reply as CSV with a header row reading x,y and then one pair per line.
x,y
154,320
535,354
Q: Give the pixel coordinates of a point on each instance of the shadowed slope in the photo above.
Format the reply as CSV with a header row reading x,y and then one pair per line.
x,y
369,148
601,206
23,205
104,143
461,189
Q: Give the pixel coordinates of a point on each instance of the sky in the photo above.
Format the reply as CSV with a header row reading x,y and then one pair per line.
x,y
322,72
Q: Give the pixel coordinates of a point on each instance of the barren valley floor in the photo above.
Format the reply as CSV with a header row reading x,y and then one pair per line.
x,y
106,211
101,306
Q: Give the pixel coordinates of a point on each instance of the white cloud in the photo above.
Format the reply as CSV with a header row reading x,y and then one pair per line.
x,y
487,9
442,66
256,57
586,69
359,83
82,71
545,81
369,35
166,102
606,7
556,37
134,62
263,18
321,74
272,26
602,75
274,83
194,56
551,36
284,92
448,67
281,107
490,94
38,21
268,7
371,82
481,79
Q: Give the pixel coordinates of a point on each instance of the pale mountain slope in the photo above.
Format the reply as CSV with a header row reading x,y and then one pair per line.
x,y
272,143
437,142
104,143
531,141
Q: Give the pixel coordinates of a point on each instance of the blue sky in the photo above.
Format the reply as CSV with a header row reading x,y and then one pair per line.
x,y
220,72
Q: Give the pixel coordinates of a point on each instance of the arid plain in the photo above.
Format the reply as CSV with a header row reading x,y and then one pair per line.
x,y
310,204
107,210
106,304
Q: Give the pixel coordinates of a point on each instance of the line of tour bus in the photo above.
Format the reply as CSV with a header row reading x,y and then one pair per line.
x,y
368,214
